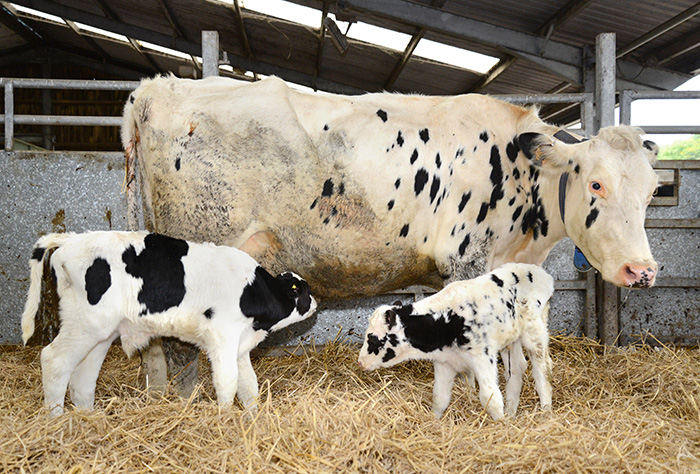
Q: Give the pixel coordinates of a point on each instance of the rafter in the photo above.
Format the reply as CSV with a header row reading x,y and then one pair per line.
x,y
9,18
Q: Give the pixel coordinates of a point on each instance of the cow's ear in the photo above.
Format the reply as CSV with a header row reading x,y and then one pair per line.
x,y
390,318
542,150
652,150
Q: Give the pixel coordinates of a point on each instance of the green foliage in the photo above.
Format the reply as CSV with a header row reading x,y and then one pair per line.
x,y
682,150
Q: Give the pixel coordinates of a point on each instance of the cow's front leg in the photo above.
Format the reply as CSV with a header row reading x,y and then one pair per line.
x,y
247,384
442,387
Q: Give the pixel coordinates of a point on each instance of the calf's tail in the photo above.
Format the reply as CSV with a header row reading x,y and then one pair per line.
x,y
36,271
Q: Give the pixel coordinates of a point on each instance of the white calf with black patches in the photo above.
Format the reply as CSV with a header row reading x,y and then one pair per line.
x,y
464,327
136,286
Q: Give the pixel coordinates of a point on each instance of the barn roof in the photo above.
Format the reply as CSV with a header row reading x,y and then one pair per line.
x,y
542,46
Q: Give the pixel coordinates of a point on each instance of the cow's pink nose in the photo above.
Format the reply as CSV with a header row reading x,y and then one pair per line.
x,y
637,276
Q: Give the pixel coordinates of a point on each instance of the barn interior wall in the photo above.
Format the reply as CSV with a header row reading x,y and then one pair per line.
x,y
76,192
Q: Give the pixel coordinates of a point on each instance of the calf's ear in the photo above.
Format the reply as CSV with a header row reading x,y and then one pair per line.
x,y
652,150
544,151
390,318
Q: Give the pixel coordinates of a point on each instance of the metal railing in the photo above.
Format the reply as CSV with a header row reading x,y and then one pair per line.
x,y
10,119
627,96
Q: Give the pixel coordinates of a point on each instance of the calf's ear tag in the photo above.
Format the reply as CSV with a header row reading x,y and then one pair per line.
x,y
580,261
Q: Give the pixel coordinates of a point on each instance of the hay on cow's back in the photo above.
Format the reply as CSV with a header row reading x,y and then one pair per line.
x,y
630,410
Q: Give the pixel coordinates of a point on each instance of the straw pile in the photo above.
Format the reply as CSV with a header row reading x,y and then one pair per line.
x,y
632,410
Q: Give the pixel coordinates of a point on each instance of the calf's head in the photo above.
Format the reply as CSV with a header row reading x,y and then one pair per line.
x,y
299,292
610,185
385,342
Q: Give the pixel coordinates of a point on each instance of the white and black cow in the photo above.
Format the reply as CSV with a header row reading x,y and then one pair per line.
x,y
137,285
463,328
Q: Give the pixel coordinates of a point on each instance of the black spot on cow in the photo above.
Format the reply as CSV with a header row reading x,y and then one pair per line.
x,y
399,139
512,150
512,201
38,254
424,135
482,212
426,333
177,164
97,280
341,188
577,169
528,143
434,188
397,183
460,152
649,145
393,339
515,277
593,200
209,313
404,231
496,177
313,204
388,355
131,99
529,276
325,128
374,344
592,216
268,300
535,218
497,281
414,155
484,136
463,246
438,161
390,205
420,180
464,201
160,267
382,115
327,188
516,213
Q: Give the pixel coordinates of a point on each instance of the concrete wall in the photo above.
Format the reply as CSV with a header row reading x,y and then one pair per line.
x,y
50,192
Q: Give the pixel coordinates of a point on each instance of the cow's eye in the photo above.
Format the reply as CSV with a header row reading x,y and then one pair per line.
x,y
597,188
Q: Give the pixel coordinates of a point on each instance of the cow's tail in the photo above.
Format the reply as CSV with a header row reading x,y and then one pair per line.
x,y
36,270
130,140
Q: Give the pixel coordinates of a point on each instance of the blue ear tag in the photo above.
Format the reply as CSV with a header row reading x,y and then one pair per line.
x,y
580,261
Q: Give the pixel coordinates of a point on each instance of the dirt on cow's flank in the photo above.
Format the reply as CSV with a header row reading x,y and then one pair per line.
x,y
633,410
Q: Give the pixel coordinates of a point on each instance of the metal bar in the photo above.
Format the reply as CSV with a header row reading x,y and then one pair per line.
x,y
677,165
625,108
672,223
677,282
636,94
544,98
71,84
690,129
605,79
58,120
9,113
590,322
210,53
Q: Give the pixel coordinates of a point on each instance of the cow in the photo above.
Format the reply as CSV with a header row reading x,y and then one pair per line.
x,y
362,195
463,327
139,285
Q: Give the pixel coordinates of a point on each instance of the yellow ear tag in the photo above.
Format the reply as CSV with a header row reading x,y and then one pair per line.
x,y
294,287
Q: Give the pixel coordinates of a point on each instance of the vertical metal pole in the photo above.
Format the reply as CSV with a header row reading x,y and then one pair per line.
x,y
625,108
210,53
609,296
46,107
9,115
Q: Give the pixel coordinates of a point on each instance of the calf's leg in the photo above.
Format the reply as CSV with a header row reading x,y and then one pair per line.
x,y
537,346
84,378
486,373
442,387
224,369
514,369
247,384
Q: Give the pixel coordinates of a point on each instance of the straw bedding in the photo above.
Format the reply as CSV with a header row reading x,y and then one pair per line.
x,y
631,410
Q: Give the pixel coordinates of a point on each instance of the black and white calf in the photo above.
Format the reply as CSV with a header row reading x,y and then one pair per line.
x,y
136,286
464,327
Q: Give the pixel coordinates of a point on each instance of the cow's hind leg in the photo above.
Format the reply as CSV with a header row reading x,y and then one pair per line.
x,y
84,378
58,361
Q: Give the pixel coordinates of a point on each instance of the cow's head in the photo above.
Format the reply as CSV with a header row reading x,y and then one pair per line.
x,y
298,292
610,184
385,343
